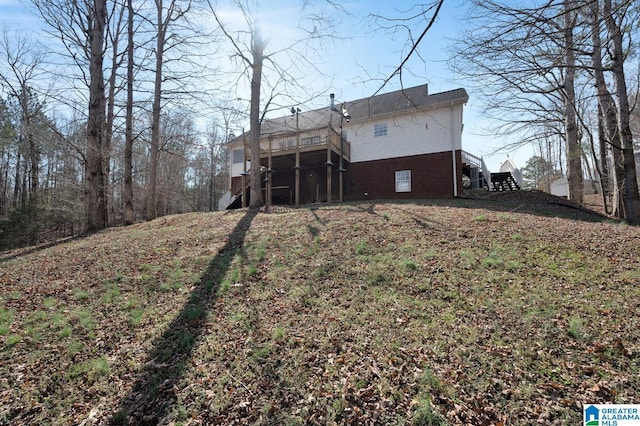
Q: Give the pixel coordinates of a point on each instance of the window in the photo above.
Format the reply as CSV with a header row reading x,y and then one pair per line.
x,y
237,156
380,130
403,181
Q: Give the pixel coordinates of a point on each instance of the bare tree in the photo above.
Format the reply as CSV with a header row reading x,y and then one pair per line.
x,y
574,151
253,57
7,138
219,134
94,172
529,59
257,53
607,120
631,196
426,14
114,34
81,27
129,211
166,16
524,60
44,164
20,69
249,45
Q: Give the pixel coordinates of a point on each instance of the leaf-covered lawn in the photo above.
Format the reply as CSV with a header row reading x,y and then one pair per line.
x,y
459,312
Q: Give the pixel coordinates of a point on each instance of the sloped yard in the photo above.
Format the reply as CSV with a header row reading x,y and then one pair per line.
x,y
459,312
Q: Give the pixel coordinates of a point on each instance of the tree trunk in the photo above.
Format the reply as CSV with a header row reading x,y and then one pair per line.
x,y
94,178
35,163
129,212
631,197
16,182
152,212
574,150
254,119
212,172
108,133
603,169
607,113
617,202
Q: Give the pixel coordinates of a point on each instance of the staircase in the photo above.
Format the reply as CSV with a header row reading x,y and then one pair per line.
x,y
503,181
480,176
478,171
236,192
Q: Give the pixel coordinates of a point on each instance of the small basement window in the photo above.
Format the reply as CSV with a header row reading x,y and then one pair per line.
x,y
380,130
403,181
237,156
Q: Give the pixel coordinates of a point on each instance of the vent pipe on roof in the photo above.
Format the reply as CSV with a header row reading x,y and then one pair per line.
x,y
333,97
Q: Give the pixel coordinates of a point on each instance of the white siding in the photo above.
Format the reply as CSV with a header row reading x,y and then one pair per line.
x,y
412,133
235,169
559,187
509,166
224,201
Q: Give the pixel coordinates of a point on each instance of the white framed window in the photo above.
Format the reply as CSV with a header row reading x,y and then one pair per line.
x,y
403,181
237,156
380,130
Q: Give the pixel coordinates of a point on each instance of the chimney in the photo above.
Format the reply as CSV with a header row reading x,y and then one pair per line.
x,y
333,97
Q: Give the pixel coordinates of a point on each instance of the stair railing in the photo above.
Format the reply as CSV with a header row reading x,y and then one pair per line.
x,y
486,174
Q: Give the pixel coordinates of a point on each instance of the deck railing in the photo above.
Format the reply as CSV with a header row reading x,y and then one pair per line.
x,y
486,174
309,141
478,162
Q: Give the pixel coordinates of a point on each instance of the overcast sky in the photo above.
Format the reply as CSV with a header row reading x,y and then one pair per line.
x,y
356,62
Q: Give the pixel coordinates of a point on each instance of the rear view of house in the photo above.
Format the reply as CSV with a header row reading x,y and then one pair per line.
x,y
405,144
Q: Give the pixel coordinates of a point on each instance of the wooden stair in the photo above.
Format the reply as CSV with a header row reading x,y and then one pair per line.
x,y
236,193
503,181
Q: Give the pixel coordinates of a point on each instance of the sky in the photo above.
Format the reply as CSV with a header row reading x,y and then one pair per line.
x,y
365,57
356,61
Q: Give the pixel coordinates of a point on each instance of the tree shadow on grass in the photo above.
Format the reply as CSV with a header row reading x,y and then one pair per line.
x,y
153,395
536,203
25,251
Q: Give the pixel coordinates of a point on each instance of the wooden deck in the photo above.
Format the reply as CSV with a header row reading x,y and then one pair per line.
x,y
316,140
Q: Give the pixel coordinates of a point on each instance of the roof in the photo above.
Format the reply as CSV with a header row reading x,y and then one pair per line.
x,y
399,101
403,100
307,120
508,165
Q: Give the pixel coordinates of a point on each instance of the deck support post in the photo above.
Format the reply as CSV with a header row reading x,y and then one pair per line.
x,y
297,166
329,164
244,170
267,178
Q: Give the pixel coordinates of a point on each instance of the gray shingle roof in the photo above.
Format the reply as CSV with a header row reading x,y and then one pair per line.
x,y
364,109
402,100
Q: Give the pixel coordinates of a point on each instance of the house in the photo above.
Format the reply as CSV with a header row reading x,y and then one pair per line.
x,y
508,166
405,144
559,187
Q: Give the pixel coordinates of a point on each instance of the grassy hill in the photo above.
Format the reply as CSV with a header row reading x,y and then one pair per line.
x,y
457,312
